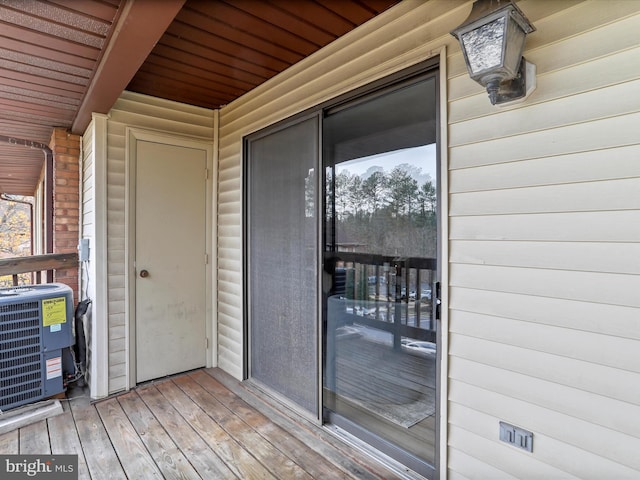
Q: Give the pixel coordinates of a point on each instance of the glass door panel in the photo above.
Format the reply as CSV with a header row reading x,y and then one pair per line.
x,y
380,267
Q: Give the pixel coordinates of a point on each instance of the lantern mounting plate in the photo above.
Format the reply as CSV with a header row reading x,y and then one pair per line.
x,y
518,88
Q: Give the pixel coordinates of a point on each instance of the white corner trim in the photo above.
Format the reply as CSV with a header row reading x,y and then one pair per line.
x,y
99,375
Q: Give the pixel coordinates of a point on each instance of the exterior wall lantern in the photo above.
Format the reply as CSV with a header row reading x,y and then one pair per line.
x,y
492,40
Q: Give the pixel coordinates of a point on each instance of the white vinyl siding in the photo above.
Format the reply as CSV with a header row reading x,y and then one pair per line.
x,y
545,254
153,114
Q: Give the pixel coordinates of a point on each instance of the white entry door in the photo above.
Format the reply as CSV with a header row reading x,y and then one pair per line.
x,y
170,261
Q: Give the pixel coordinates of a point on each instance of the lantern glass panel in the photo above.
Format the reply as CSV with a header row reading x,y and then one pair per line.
x,y
514,48
484,45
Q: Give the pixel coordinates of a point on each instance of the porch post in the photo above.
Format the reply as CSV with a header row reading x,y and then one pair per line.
x,y
66,201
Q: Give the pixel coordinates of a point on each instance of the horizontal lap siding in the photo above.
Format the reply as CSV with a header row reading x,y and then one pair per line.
x,y
545,254
408,33
138,111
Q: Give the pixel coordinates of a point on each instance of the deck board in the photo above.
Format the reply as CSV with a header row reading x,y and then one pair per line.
x,y
267,454
164,451
200,425
129,447
101,458
9,443
239,460
308,459
34,439
337,453
195,447
64,440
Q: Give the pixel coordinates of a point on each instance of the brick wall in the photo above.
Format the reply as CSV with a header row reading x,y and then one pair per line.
x,y
66,201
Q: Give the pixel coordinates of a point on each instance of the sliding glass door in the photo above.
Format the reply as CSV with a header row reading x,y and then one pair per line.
x,y
381,269
342,265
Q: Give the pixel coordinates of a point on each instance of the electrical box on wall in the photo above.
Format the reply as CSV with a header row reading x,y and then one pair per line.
x,y
83,250
516,436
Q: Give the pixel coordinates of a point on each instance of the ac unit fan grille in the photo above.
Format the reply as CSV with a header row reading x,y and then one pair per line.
x,y
23,372
23,379
20,308
20,394
20,354
15,355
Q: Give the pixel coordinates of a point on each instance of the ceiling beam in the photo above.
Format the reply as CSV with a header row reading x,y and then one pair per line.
x,y
138,29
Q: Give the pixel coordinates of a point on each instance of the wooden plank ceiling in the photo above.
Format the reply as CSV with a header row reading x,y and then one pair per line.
x,y
60,60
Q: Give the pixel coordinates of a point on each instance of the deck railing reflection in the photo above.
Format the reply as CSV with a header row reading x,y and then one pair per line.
x,y
392,294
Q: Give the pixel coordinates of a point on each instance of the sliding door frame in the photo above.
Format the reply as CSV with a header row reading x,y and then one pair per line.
x,y
430,67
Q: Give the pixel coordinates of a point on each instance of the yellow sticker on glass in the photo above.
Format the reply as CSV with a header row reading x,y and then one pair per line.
x,y
54,311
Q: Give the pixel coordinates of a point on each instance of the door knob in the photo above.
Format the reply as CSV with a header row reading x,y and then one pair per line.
x,y
144,273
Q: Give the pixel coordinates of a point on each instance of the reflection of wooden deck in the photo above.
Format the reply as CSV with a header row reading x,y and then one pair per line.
x,y
198,425
396,387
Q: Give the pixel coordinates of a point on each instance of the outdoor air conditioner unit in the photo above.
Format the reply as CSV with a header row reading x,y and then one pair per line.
x,y
35,325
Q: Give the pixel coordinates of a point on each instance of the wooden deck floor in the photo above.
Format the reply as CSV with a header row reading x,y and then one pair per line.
x,y
201,425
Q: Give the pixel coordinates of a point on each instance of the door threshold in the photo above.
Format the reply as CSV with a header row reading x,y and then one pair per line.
x,y
404,464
